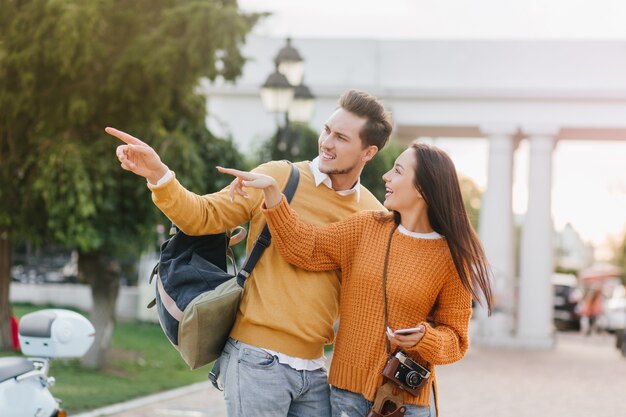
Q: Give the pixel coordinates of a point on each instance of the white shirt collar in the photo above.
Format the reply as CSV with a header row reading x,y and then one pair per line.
x,y
322,178
431,235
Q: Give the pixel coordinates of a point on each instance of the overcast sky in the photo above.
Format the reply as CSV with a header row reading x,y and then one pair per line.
x,y
419,19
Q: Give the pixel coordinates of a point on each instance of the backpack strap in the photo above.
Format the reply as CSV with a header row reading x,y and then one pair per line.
x,y
265,238
262,242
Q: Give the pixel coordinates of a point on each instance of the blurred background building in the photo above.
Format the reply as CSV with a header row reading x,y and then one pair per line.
x,y
571,251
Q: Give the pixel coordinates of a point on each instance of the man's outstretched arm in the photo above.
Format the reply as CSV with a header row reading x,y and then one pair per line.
x,y
194,214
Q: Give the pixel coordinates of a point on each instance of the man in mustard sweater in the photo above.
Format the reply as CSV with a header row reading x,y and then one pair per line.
x,y
273,363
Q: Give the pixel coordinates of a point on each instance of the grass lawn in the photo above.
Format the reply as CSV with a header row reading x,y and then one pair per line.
x,y
141,361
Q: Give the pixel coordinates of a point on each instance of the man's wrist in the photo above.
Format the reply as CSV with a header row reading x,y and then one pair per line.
x,y
162,178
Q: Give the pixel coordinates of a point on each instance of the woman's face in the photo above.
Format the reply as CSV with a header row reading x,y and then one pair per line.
x,y
401,192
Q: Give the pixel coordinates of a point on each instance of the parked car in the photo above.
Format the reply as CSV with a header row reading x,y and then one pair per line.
x,y
567,295
613,318
45,268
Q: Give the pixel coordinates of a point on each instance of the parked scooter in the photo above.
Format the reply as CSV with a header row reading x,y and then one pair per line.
x,y
44,335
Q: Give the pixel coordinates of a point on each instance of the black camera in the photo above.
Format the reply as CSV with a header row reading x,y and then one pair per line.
x,y
408,374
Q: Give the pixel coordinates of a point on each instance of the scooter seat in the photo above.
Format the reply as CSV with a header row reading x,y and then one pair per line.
x,y
12,367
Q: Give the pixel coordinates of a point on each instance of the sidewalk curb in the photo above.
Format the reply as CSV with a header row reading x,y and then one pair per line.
x,y
142,401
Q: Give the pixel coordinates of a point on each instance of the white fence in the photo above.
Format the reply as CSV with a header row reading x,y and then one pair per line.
x,y
131,301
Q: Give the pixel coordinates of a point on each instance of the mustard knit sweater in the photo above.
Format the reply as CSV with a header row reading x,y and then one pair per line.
x,y
421,278
284,308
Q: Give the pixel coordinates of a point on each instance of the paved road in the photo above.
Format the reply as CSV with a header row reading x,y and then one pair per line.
x,y
581,377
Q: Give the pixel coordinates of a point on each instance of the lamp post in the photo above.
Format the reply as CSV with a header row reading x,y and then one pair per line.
x,y
284,93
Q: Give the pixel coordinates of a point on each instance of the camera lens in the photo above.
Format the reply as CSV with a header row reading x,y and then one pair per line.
x,y
413,379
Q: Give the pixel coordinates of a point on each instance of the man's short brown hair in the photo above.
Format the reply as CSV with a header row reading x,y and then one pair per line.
x,y
377,129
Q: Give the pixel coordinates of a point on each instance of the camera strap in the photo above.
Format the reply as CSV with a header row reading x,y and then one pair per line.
x,y
389,401
387,343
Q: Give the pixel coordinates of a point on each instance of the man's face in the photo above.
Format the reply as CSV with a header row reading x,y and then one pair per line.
x,y
340,146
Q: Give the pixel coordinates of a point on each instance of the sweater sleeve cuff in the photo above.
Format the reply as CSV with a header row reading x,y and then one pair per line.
x,y
428,343
281,212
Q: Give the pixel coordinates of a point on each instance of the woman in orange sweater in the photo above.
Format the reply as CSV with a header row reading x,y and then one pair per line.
x,y
408,278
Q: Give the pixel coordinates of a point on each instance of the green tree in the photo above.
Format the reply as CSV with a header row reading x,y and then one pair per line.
x,y
19,206
68,69
472,197
298,142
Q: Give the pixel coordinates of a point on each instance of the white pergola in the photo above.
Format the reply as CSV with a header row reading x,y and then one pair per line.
x,y
505,91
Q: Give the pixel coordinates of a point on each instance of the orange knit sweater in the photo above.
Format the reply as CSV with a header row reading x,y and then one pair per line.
x,y
421,278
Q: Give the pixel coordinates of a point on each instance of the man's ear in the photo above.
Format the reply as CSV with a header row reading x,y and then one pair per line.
x,y
369,153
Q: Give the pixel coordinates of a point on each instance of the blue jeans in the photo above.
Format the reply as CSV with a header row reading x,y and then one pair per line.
x,y
256,384
351,404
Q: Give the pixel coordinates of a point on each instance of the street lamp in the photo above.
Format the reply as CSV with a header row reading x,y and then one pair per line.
x,y
301,108
290,63
284,93
277,93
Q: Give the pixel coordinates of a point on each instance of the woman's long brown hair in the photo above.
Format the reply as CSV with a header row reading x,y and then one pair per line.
x,y
437,182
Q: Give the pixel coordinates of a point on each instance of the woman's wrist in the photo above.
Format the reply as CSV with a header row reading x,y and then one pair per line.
x,y
273,196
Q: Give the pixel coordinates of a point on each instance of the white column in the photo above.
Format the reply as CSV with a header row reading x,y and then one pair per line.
x,y
497,234
536,261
